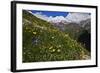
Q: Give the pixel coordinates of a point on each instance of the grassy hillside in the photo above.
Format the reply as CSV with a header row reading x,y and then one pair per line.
x,y
44,42
73,29
77,31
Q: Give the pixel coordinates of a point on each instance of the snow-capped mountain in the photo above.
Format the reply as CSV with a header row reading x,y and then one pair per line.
x,y
81,20
71,17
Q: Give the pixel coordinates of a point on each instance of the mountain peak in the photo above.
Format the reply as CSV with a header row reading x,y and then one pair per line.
x,y
75,17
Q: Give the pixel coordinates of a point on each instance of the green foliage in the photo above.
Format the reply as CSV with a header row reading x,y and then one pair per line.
x,y
43,42
74,30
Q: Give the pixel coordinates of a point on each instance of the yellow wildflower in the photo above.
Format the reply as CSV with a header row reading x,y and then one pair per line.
x,y
51,47
34,32
66,35
59,46
53,50
58,50
52,37
82,54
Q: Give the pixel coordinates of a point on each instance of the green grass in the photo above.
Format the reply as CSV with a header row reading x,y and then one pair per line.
x,y
43,42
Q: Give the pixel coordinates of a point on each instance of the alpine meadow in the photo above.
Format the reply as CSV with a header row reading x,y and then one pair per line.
x,y
55,36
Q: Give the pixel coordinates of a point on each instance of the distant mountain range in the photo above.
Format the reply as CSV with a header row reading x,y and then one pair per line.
x,y
74,17
74,29
81,20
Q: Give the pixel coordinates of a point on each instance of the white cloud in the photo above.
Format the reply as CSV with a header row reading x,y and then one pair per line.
x,y
50,18
77,17
41,16
57,19
71,17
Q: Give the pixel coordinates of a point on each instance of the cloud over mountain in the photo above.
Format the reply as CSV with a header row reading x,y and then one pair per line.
x,y
77,17
71,17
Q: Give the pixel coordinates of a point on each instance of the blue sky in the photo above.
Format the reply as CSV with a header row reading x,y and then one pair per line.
x,y
57,16
51,13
